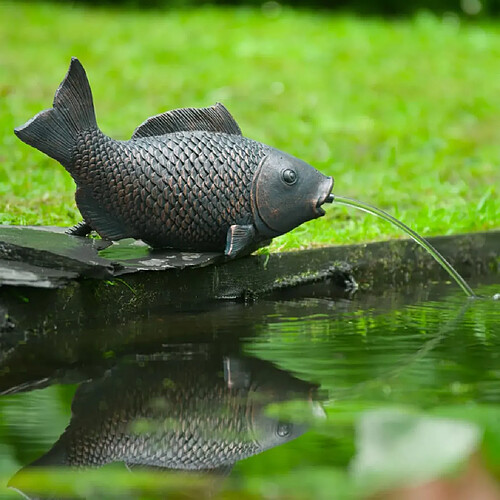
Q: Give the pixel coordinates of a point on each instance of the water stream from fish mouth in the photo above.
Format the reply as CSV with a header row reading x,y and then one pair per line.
x,y
365,207
283,397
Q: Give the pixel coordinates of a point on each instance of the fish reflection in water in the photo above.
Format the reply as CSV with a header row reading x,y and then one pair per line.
x,y
184,415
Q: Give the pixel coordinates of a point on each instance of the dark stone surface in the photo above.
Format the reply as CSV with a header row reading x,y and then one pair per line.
x,y
131,256
46,257
51,249
15,273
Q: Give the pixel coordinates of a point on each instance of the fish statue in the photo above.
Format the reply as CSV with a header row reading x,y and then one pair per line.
x,y
187,179
179,415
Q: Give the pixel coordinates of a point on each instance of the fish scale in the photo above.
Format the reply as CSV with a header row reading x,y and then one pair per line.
x,y
193,446
180,184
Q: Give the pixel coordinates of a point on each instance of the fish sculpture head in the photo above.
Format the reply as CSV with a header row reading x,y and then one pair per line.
x,y
270,388
286,192
270,432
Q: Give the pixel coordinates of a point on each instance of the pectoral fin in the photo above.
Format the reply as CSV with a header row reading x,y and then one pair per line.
x,y
240,240
236,375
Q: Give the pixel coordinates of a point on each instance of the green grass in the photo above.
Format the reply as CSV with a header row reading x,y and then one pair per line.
x,y
404,114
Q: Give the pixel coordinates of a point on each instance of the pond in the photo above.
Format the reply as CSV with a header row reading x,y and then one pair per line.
x,y
309,393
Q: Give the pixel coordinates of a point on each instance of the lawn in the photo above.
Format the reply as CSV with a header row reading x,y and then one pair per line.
x,y
405,114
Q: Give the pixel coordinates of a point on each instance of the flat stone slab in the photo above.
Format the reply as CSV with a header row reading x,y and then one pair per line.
x,y
131,256
47,257
22,274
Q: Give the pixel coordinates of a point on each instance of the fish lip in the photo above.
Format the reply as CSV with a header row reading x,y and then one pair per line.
x,y
320,211
322,199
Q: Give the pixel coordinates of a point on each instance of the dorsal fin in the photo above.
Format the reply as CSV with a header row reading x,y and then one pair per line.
x,y
213,119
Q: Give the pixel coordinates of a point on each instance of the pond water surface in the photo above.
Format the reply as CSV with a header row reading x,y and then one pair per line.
x,y
309,394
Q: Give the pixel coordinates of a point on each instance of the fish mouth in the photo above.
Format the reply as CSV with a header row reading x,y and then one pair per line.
x,y
326,197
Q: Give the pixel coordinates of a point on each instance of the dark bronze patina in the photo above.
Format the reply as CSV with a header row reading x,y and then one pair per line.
x,y
187,179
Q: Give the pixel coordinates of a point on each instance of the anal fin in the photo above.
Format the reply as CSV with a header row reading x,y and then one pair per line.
x,y
99,218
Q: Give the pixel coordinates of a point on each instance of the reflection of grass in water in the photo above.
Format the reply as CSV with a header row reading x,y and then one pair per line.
x,y
421,371
30,423
109,481
404,114
403,356
367,359
429,356
400,442
436,356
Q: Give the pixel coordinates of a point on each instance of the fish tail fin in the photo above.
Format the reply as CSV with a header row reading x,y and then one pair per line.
x,y
56,130
57,456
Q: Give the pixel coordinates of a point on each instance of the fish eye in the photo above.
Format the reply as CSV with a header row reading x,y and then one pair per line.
x,y
283,429
289,176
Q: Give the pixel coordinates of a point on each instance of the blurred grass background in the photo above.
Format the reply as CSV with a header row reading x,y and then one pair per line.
x,y
404,113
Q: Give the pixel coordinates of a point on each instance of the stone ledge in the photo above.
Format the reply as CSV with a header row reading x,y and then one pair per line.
x,y
51,280
46,257
58,258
